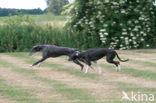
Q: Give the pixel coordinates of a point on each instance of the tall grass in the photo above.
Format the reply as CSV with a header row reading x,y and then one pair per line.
x,y
22,33
37,18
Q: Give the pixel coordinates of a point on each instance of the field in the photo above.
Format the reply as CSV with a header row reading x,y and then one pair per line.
x,y
57,21
60,81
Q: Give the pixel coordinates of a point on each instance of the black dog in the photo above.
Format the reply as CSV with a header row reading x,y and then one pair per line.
x,y
53,51
96,54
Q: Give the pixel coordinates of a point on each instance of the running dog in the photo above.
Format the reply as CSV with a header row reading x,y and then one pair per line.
x,y
53,51
94,55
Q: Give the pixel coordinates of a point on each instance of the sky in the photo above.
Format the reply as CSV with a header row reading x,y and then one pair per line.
x,y
24,4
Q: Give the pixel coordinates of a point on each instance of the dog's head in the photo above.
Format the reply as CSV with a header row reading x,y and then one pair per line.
x,y
35,49
74,55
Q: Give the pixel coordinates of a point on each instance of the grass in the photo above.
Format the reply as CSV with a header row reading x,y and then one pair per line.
x,y
16,93
26,72
140,73
134,72
130,87
48,17
43,20
16,68
77,95
37,18
153,51
145,63
133,87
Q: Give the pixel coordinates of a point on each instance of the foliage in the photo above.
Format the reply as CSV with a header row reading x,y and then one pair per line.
x,y
7,12
55,6
21,33
117,24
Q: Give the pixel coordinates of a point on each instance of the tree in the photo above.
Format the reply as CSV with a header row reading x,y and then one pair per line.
x,y
55,6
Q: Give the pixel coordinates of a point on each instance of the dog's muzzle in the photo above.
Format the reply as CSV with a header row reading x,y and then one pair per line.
x,y
30,54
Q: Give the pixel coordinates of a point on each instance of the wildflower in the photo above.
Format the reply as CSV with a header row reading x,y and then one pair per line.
x,y
106,34
103,41
105,25
134,38
135,29
142,39
136,21
134,42
130,40
123,29
144,34
121,37
102,30
129,22
123,11
75,26
131,34
129,29
147,45
124,33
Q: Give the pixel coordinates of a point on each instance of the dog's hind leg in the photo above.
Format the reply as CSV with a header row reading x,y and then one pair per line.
x,y
119,68
115,63
87,69
110,58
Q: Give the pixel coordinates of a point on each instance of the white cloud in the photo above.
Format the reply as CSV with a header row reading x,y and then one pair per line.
x,y
25,4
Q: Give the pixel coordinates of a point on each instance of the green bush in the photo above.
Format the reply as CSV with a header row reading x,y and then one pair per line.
x,y
22,33
117,24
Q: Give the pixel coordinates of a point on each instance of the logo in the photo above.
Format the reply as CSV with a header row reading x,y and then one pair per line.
x,y
137,97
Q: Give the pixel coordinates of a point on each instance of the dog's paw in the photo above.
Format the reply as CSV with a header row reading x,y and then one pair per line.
x,y
100,73
30,66
39,65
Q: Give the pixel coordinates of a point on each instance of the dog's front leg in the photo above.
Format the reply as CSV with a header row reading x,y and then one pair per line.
x,y
78,63
99,67
39,64
41,60
87,69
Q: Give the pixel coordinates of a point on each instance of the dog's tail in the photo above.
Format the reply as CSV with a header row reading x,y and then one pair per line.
x,y
121,59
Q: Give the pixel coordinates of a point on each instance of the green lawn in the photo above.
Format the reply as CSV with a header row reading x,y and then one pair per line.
x,y
70,83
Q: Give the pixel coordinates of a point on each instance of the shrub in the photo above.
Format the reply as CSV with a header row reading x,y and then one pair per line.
x,y
117,24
